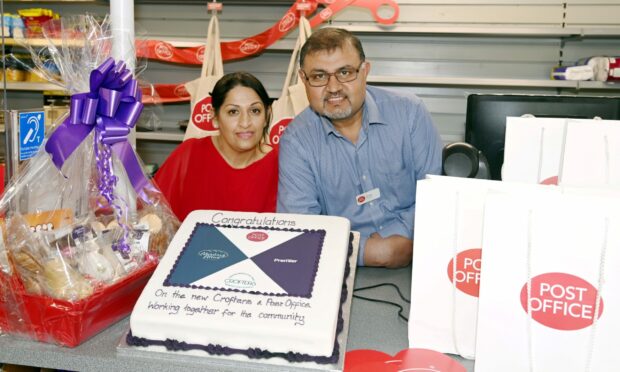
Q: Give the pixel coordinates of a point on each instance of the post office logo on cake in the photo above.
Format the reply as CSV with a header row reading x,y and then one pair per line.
x,y
282,262
257,236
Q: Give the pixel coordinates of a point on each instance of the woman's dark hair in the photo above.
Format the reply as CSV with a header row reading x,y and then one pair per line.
x,y
244,79
328,39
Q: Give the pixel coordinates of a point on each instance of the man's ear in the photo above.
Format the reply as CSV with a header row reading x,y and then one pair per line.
x,y
366,68
302,77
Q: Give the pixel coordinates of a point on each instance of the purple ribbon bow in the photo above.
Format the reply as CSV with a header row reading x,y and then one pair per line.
x,y
111,108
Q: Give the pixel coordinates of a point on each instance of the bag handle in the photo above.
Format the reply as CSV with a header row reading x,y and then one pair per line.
x,y
291,75
212,58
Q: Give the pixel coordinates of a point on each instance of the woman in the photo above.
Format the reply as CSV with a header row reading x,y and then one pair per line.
x,y
235,171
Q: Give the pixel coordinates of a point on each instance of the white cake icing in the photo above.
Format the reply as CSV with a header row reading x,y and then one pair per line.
x,y
237,280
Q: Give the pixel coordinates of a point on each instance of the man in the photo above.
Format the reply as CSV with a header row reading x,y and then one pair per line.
x,y
357,151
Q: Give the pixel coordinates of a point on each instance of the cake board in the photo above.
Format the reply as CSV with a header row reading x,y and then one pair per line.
x,y
242,363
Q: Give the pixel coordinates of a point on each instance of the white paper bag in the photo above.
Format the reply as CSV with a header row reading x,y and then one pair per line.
x,y
550,267
293,98
201,111
592,154
533,149
447,240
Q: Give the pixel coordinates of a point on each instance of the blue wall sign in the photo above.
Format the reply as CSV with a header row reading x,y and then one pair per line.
x,y
31,133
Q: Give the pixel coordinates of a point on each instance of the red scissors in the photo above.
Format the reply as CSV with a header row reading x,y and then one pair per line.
x,y
334,6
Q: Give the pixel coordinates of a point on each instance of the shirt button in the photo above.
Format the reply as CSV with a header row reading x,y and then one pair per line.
x,y
380,227
364,177
372,203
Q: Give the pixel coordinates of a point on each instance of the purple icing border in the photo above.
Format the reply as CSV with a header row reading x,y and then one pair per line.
x,y
256,353
316,261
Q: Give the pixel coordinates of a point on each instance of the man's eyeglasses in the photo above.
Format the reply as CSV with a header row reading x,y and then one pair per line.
x,y
321,78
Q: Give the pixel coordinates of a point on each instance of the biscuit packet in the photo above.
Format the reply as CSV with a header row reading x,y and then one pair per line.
x,y
82,226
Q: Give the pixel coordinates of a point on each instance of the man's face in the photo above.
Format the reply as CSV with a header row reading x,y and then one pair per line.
x,y
338,101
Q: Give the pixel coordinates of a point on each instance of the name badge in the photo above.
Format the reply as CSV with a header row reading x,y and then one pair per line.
x,y
368,196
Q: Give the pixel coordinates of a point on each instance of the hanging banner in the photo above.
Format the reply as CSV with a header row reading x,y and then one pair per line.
x,y
238,49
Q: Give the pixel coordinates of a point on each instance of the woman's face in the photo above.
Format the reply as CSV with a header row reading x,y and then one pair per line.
x,y
241,119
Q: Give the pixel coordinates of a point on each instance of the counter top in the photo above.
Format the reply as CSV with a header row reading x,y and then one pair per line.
x,y
372,326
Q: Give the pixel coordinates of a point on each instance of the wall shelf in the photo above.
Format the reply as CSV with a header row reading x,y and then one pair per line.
x,y
37,87
489,82
167,136
466,31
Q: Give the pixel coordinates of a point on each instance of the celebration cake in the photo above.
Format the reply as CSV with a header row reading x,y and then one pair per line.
x,y
260,284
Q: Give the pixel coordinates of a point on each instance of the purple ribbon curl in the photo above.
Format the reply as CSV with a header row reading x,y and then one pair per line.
x,y
111,108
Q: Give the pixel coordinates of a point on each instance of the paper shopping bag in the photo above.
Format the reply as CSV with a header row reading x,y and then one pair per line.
x,y
293,99
592,154
550,288
447,261
533,149
201,111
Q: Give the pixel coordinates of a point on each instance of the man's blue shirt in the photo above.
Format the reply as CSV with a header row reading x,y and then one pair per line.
x,y
322,172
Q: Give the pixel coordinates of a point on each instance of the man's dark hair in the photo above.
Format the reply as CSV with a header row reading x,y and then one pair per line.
x,y
328,39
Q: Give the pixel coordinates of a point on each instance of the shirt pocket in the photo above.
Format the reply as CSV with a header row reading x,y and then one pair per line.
x,y
397,188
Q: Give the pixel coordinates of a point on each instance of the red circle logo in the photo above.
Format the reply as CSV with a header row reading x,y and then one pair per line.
x,y
276,131
200,53
181,91
325,14
257,236
202,114
163,51
467,275
287,22
561,301
249,46
361,199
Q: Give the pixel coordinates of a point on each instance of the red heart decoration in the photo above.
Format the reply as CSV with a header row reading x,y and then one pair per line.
x,y
407,359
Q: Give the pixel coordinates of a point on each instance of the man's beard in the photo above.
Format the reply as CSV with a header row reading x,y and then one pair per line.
x,y
337,113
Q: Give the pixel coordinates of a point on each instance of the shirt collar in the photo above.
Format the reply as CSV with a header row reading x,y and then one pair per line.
x,y
370,115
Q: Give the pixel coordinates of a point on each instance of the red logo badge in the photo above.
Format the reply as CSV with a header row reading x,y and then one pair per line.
x,y
202,114
257,236
561,301
249,46
180,91
276,131
200,53
287,22
163,51
361,199
325,14
467,275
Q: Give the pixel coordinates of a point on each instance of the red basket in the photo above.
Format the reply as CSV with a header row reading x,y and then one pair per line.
x,y
68,323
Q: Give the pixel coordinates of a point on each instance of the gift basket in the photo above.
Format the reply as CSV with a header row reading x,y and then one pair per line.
x,y
82,227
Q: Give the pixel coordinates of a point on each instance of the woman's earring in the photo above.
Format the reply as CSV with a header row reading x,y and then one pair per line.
x,y
215,124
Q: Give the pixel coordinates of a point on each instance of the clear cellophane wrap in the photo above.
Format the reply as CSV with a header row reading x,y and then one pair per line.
x,y
80,221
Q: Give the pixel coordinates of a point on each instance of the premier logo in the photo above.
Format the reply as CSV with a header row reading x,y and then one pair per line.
x,y
213,254
240,280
